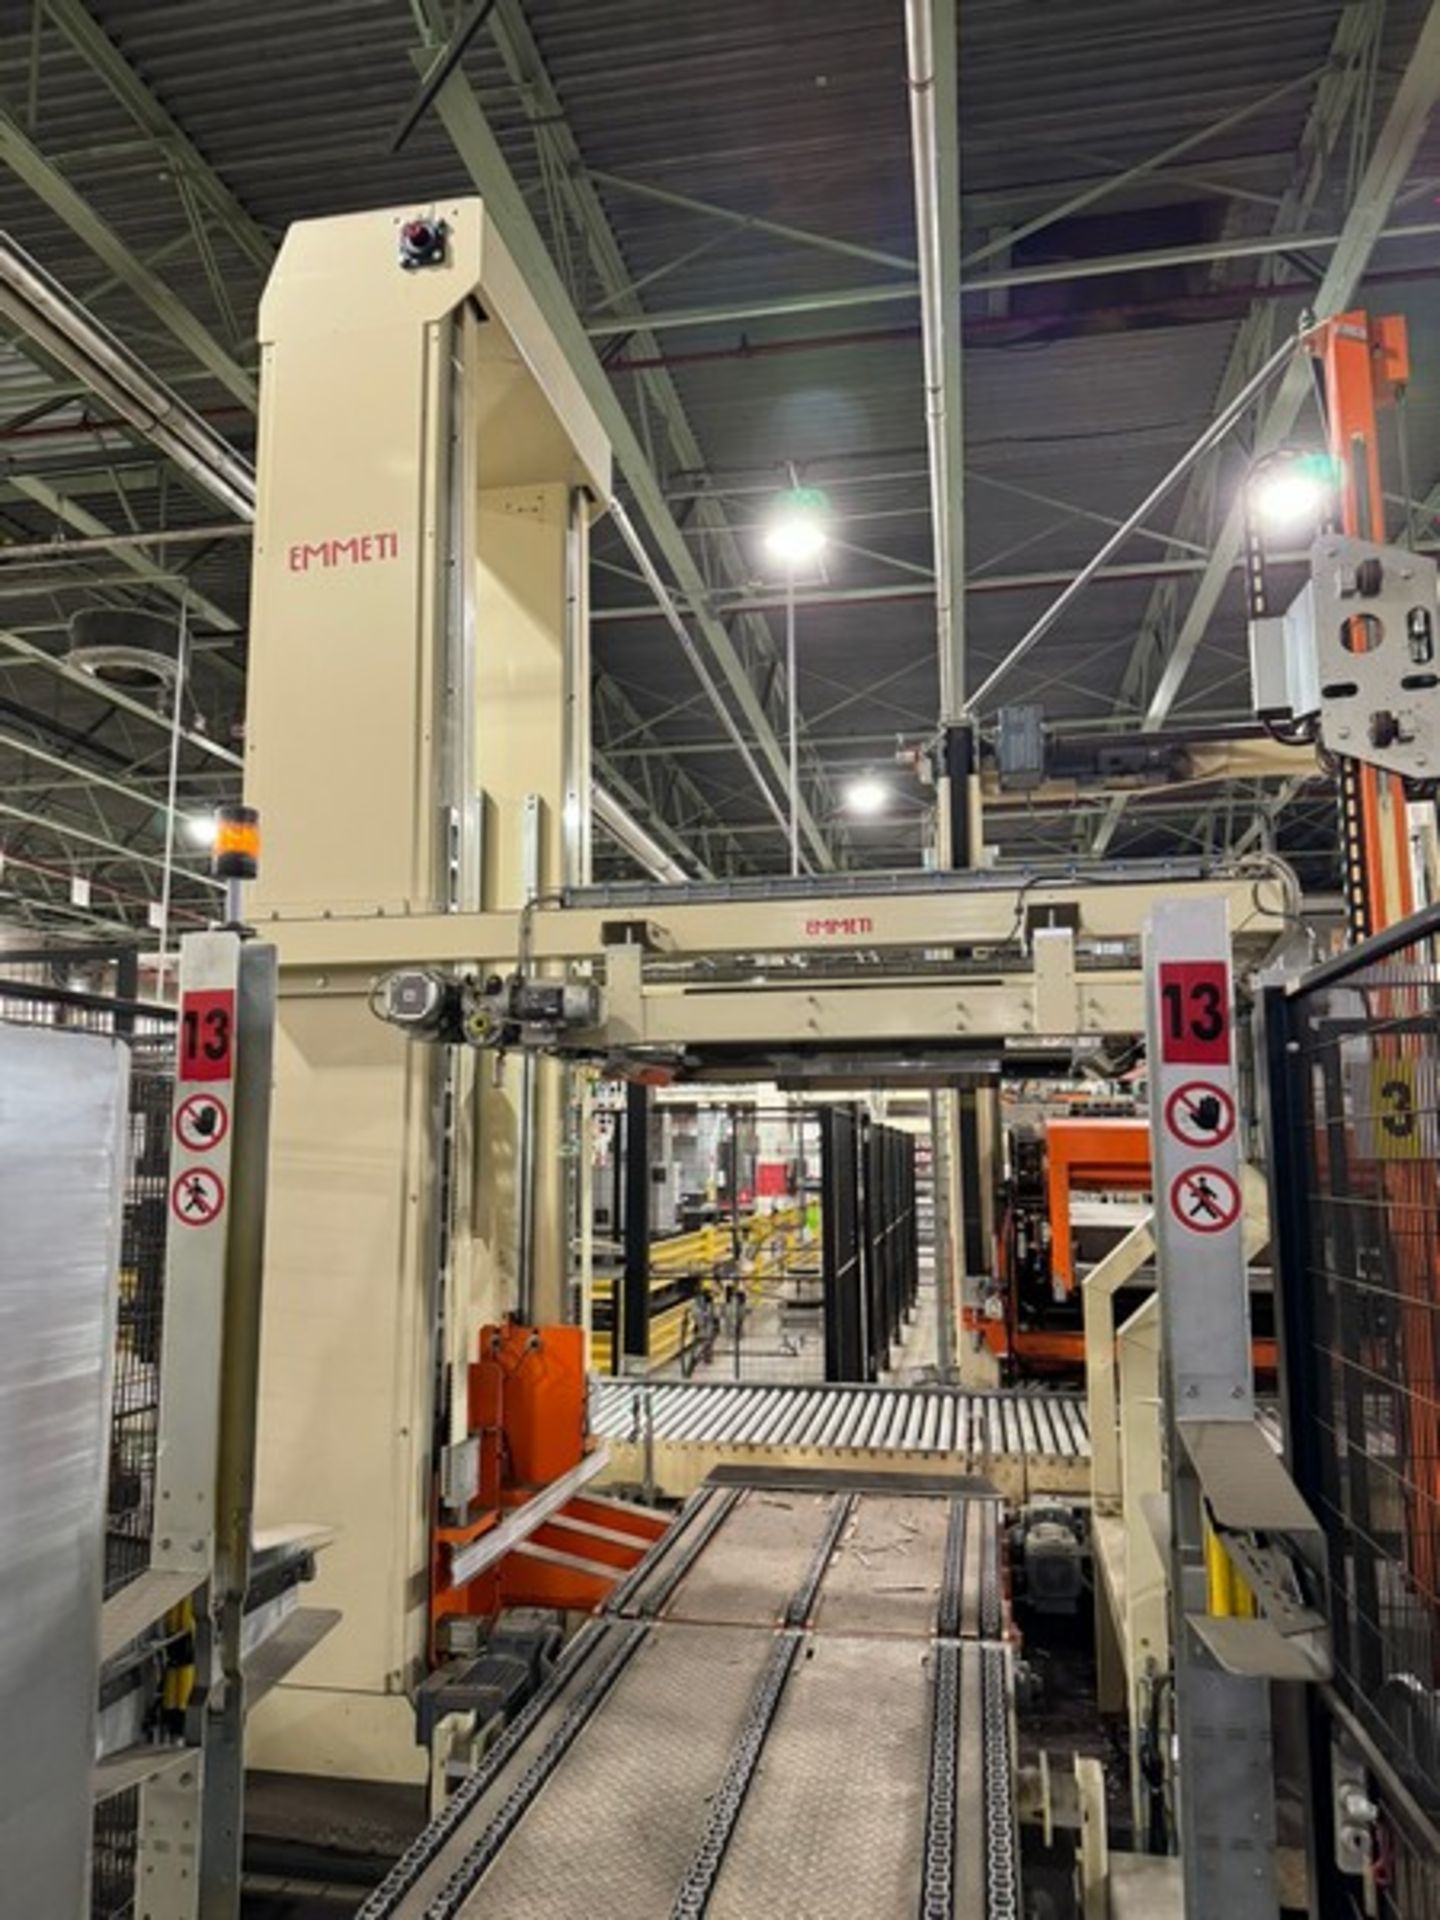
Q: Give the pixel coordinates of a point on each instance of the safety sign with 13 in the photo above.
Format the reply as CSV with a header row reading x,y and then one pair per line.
x,y
1205,1199
196,1196
201,1122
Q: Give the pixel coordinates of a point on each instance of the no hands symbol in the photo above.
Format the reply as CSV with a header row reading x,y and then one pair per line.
x,y
202,1121
1200,1114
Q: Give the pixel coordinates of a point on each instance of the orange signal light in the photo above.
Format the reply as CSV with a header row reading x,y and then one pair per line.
x,y
237,843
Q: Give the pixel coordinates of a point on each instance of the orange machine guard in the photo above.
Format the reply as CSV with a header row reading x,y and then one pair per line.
x,y
1089,1156
526,1405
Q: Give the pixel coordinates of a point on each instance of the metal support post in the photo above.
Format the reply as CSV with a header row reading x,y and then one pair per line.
x,y
189,1847
1225,1792
977,1367
1285,1128
634,1342
947,1292
793,689
224,1795
961,796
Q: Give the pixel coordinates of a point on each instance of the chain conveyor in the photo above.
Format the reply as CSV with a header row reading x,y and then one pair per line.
x,y
1026,1443
799,1702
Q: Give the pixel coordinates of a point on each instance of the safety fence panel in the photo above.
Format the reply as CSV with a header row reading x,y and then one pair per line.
x,y
841,1251
1356,1053
92,990
868,1178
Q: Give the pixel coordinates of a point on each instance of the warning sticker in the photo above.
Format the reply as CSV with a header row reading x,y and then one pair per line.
x,y
197,1196
1205,1199
1200,1114
202,1121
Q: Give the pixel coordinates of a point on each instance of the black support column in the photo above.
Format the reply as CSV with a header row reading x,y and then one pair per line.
x,y
843,1268
972,1243
634,1317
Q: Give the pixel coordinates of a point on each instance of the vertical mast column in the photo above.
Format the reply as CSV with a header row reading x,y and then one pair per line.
x,y
423,445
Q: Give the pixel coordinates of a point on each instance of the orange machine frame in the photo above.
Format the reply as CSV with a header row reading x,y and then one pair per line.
x,y
526,1404
1082,1155
1364,362
1088,1156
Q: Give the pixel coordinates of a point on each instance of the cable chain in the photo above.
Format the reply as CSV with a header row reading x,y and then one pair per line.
x,y
462,1882
937,1887
1359,905
698,1884
1001,1873
407,1870
803,1598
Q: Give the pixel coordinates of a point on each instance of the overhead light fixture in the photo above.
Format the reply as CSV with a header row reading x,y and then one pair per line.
x,y
199,829
796,535
867,797
1289,492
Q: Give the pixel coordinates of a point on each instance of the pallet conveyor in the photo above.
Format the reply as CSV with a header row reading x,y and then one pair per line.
x,y
800,1702
1024,1443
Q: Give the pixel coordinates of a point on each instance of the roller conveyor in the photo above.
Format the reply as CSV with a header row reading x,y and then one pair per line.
x,y
1026,1443
799,1703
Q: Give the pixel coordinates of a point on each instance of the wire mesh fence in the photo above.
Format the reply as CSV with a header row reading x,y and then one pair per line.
x,y
1363,1059
93,991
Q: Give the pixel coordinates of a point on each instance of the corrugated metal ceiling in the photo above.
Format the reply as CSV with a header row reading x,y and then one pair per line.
x,y
793,112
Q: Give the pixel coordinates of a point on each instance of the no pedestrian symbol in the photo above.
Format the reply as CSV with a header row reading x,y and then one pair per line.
x,y
196,1196
1200,1114
201,1122
1205,1199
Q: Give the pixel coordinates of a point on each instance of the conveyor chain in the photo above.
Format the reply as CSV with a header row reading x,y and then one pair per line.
x,y
1003,1886
462,1882
712,1720
802,1600
434,1838
947,1618
992,1613
647,1594
700,1876
623,1593
937,1886
972,1540
675,1566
